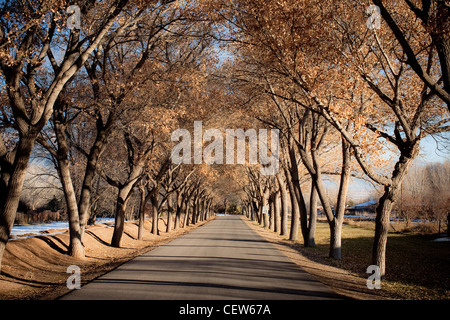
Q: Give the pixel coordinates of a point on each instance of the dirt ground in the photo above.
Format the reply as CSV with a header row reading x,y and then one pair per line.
x,y
341,281
36,268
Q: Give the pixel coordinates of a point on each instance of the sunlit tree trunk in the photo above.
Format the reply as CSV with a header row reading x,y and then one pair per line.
x,y
169,213
76,248
384,208
10,201
155,218
284,207
121,207
142,206
312,216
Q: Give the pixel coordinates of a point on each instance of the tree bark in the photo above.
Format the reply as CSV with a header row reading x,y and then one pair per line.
x,y
336,223
265,203
448,224
284,207
200,209
124,193
312,217
295,215
203,209
195,211
186,213
272,213
155,218
76,248
180,203
142,206
257,211
7,166
188,206
298,194
169,214
277,211
97,149
15,184
121,206
384,208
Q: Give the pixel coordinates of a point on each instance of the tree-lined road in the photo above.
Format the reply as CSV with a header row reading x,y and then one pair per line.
x,y
223,259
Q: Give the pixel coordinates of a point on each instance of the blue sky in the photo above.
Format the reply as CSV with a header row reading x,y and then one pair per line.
x,y
433,151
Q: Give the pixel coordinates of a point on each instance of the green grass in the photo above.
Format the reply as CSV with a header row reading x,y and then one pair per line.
x,y
416,266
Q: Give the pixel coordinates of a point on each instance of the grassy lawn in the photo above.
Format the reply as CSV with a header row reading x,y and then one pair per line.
x,y
416,267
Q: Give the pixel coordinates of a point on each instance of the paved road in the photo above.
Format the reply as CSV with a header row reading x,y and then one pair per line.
x,y
224,259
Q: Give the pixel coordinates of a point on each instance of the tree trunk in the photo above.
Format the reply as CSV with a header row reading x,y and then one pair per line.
x,y
200,210
272,213
336,223
207,212
448,224
312,217
186,213
381,230
177,216
7,166
155,218
141,213
177,219
125,191
210,212
89,175
195,211
119,225
441,38
265,203
76,248
335,239
257,211
188,207
284,207
295,214
205,209
180,203
298,194
277,207
384,208
169,214
169,225
10,203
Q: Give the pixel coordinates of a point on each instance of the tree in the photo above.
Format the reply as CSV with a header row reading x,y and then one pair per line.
x,y
28,34
175,184
306,136
139,147
319,67
127,61
407,107
433,15
284,203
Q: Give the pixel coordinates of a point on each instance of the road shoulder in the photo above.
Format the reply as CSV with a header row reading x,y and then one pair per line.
x,y
339,280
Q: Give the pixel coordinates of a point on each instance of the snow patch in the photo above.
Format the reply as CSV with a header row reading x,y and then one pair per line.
x,y
32,230
443,239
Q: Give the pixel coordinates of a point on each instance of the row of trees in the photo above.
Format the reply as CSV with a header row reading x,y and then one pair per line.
x,y
102,99
332,82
